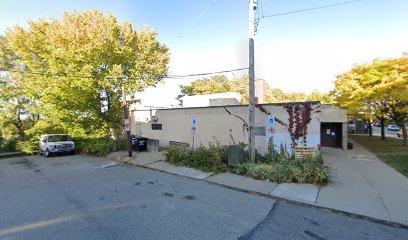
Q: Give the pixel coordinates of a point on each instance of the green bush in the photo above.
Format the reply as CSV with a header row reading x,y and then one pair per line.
x,y
30,146
310,170
213,158
8,145
99,146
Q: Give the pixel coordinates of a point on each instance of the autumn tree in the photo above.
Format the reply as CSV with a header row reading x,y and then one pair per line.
x,y
240,84
324,98
73,68
376,91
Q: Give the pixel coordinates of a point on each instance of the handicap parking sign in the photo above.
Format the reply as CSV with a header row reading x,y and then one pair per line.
x,y
271,121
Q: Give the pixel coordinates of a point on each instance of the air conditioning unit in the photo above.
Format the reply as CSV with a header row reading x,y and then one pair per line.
x,y
155,119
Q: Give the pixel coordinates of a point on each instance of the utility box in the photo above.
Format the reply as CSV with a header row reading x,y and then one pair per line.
x,y
152,145
235,155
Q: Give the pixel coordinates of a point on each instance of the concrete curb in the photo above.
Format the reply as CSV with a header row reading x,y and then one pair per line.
x,y
315,206
299,203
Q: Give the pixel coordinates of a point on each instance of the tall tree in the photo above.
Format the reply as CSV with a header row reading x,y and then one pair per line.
x,y
377,90
75,67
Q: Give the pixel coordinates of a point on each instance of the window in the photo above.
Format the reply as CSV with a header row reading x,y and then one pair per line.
x,y
156,126
58,138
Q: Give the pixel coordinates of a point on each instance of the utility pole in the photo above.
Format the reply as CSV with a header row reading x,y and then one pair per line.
x,y
251,140
126,120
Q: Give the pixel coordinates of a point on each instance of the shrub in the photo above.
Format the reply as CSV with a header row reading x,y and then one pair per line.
x,y
8,145
288,170
99,146
29,146
212,158
285,168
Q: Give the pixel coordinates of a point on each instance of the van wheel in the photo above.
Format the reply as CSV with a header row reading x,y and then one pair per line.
x,y
47,153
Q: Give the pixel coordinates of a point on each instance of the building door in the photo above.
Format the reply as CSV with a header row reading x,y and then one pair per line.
x,y
331,135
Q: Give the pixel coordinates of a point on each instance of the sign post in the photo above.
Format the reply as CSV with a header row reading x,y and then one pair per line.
x,y
271,132
193,129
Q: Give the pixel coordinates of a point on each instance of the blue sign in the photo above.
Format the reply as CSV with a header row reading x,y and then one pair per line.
x,y
271,121
194,123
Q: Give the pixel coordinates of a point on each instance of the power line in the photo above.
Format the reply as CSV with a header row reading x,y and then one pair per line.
x,y
133,78
196,19
209,73
309,9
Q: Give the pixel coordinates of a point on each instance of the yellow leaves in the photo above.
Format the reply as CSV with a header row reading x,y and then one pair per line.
x,y
381,83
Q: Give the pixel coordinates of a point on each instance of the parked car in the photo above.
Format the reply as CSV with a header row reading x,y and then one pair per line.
x,y
51,144
393,128
399,134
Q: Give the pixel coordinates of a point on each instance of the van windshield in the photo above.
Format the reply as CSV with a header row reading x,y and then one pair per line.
x,y
58,138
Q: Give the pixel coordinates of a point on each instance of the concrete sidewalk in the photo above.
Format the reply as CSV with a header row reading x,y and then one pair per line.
x,y
362,184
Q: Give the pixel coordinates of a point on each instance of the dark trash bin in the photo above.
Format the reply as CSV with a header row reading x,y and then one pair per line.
x,y
139,143
349,146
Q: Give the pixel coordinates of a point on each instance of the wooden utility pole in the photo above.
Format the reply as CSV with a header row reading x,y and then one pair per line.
x,y
251,137
126,121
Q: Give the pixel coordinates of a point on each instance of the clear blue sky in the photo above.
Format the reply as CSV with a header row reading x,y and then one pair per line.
x,y
319,44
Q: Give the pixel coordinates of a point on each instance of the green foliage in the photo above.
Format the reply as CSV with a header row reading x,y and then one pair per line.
x,y
99,146
288,170
220,83
213,158
324,98
375,91
8,145
66,74
29,146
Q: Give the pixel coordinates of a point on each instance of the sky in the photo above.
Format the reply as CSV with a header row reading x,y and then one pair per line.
x,y
295,52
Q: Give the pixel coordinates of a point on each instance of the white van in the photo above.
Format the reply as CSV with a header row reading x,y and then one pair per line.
x,y
51,144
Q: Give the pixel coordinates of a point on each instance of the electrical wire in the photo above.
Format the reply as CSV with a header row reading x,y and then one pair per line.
x,y
196,19
133,78
309,9
209,73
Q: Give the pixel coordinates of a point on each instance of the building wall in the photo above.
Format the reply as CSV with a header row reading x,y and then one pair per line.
x,y
216,122
330,114
345,137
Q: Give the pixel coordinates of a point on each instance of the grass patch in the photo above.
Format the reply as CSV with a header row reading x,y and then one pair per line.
x,y
389,150
214,158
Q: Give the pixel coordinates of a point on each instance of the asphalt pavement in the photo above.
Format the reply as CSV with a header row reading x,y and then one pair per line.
x,y
377,132
79,197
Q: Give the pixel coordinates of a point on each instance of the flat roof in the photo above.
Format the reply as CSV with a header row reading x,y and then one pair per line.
x,y
240,105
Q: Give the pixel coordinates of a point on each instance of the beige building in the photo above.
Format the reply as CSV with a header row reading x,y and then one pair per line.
x,y
296,124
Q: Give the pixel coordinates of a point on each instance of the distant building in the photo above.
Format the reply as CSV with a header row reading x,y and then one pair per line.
x,y
207,100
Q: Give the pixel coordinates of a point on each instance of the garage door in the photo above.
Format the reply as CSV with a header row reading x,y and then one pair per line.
x,y
331,135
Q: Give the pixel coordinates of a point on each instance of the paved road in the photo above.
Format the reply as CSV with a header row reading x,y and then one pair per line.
x,y
377,131
78,197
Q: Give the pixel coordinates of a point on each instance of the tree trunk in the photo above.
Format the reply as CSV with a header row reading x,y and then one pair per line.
x,y
404,135
382,121
370,129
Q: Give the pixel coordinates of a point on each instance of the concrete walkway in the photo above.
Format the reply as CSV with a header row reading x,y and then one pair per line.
x,y
374,188
362,184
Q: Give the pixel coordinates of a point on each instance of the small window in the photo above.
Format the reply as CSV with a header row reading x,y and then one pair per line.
x,y
156,126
